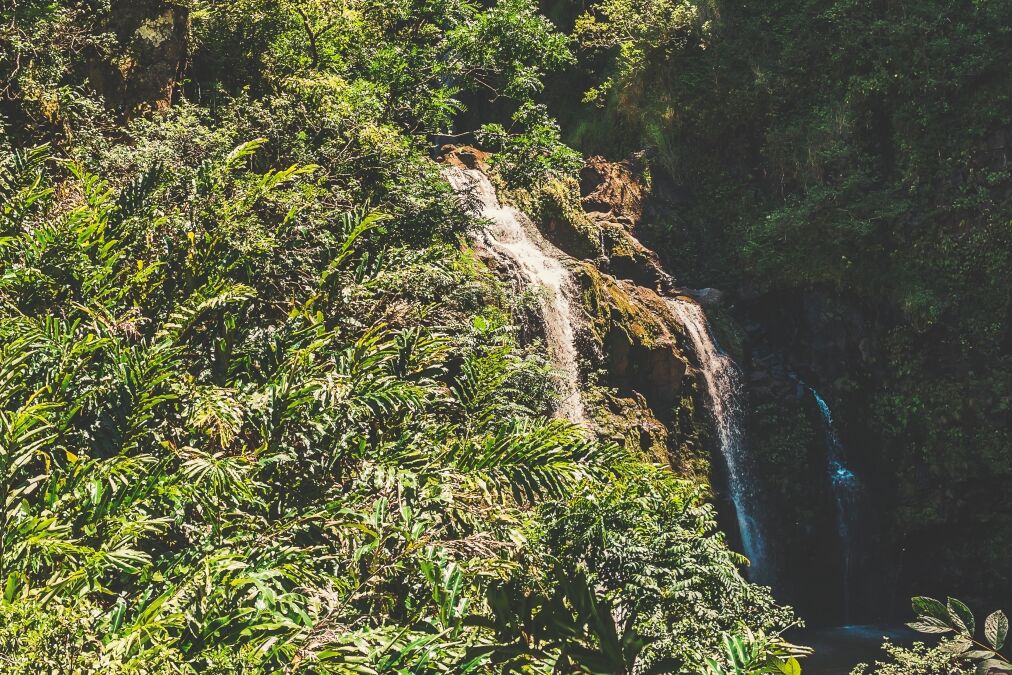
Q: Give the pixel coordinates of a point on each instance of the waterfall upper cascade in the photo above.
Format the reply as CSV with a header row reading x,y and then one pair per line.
x,y
516,244
724,384
513,240
846,494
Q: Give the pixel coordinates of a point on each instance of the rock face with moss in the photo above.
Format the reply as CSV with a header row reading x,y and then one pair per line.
x,y
640,387
646,392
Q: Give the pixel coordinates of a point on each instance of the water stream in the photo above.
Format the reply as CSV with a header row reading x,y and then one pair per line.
x,y
514,242
846,494
723,382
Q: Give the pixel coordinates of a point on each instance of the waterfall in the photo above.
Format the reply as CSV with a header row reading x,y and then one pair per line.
x,y
846,494
724,385
516,243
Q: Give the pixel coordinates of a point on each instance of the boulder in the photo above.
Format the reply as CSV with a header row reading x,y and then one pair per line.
x,y
464,157
709,297
636,337
615,188
564,222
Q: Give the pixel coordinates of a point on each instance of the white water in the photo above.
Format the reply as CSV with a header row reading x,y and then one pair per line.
x,y
723,382
846,493
514,241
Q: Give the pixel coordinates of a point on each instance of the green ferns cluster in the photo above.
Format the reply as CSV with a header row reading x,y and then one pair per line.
x,y
263,411
235,440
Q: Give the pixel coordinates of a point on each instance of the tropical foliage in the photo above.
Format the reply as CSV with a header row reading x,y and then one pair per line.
x,y
842,163
955,617
235,438
262,409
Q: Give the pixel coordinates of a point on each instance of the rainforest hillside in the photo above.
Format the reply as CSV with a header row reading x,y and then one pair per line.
x,y
452,336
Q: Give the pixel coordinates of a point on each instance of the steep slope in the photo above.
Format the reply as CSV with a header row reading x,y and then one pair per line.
x,y
639,329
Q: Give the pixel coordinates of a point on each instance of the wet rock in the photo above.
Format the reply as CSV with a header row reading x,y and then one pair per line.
x,y
613,195
464,157
615,188
637,338
709,297
627,258
564,222
639,391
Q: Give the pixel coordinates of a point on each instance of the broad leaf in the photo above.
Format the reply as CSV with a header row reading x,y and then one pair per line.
x,y
961,617
926,627
996,629
924,607
979,654
792,667
958,645
985,667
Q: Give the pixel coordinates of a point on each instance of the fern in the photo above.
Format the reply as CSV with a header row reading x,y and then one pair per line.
x,y
213,297
135,196
22,187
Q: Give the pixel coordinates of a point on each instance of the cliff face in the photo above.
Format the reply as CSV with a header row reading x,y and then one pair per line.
x,y
644,351
638,383
859,225
643,388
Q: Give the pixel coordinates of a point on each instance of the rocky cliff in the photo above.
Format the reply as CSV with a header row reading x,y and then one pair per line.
x,y
640,387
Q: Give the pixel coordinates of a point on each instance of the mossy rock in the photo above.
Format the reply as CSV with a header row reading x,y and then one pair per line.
x,y
555,206
636,345
630,422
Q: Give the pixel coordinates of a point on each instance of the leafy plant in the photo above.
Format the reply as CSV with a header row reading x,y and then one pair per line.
x,y
531,149
955,617
754,655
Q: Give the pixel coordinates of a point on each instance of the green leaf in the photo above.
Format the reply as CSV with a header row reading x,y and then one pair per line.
x,y
957,645
10,588
928,627
924,607
791,667
996,629
979,654
985,667
962,617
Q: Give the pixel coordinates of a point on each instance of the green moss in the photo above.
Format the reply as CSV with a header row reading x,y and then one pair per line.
x,y
555,206
609,305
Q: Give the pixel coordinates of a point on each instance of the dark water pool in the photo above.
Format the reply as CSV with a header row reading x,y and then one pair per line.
x,y
839,649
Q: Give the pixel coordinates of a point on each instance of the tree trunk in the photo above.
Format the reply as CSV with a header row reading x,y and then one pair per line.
x,y
146,67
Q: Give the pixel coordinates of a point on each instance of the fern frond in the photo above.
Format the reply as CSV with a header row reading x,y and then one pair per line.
x,y
212,297
21,186
133,198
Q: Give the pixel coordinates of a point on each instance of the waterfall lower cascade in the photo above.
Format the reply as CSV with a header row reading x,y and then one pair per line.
x,y
514,241
846,493
723,381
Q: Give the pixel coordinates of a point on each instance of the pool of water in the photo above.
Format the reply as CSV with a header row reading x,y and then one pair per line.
x,y
840,648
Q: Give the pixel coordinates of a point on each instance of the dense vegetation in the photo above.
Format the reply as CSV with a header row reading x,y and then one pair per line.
x,y
263,410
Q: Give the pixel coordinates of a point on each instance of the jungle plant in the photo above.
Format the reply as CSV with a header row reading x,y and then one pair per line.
x,y
751,654
956,618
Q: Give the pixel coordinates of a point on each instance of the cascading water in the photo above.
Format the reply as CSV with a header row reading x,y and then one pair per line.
x,y
515,242
723,382
846,493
